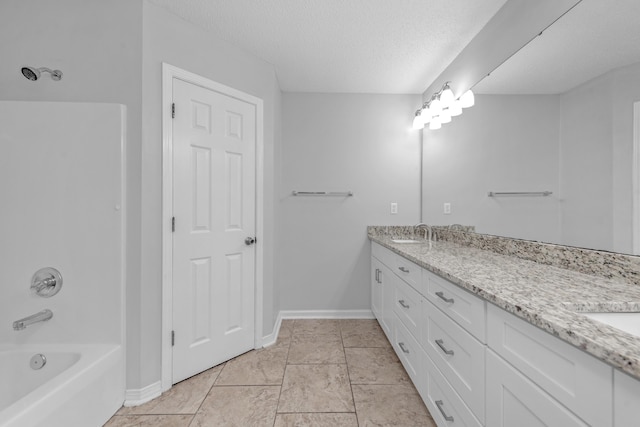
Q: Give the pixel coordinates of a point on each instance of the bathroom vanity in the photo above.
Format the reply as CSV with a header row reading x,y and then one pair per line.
x,y
497,340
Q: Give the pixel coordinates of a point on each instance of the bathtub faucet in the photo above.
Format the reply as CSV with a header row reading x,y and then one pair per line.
x,y
41,316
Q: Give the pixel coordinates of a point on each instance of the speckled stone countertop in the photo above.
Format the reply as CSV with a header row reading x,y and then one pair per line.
x,y
548,297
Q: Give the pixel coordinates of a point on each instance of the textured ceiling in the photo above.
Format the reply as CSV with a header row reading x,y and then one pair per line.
x,y
363,46
594,37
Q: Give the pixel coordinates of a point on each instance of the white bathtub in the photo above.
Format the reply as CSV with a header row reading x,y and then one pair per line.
x,y
80,385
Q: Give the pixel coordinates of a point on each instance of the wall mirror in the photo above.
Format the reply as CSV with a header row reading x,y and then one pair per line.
x,y
558,117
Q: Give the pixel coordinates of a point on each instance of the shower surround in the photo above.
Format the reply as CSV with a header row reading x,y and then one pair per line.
x,y
62,192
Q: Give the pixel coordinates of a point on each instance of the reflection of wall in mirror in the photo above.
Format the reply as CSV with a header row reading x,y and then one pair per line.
x,y
578,144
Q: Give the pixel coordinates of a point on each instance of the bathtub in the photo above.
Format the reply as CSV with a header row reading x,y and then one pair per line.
x,y
80,385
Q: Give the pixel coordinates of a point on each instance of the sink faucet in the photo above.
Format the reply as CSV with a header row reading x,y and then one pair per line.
x,y
428,228
41,316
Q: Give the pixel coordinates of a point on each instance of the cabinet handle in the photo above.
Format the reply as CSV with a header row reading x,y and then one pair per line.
x,y
443,348
404,350
402,303
442,297
439,404
377,276
404,270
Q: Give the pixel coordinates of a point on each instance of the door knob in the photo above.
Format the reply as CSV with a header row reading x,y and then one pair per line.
x,y
249,241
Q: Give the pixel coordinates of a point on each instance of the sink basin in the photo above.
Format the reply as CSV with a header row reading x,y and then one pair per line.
x,y
405,241
627,322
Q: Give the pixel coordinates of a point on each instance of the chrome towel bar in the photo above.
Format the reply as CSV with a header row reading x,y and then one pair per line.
x,y
322,193
519,193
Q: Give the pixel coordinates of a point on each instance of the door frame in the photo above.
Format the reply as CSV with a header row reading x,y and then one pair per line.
x,y
169,72
636,179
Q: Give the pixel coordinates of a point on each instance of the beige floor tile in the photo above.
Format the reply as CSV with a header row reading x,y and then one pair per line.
x,y
363,333
149,421
316,388
312,349
316,326
257,367
375,366
316,420
390,405
287,326
238,406
183,398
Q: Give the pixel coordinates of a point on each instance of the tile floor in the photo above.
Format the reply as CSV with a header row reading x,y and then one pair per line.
x,y
320,373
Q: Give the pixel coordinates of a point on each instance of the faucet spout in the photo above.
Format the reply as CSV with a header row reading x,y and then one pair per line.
x,y
41,316
429,234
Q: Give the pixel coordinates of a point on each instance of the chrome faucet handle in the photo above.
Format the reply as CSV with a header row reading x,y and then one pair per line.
x,y
46,282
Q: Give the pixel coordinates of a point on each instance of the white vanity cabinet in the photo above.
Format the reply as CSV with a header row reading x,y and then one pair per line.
x,y
475,364
573,378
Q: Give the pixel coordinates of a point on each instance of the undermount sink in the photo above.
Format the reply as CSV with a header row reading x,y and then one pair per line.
x,y
405,241
627,322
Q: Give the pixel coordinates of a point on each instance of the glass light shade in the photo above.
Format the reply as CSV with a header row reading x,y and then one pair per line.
x,y
467,99
425,116
447,98
435,123
445,116
417,123
455,109
436,107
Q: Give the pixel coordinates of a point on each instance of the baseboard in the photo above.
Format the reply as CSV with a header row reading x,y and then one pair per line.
x,y
326,314
136,397
271,339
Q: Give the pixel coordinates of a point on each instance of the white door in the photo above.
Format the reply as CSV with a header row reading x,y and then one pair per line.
x,y
214,142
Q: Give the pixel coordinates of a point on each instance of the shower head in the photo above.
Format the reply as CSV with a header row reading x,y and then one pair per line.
x,y
33,74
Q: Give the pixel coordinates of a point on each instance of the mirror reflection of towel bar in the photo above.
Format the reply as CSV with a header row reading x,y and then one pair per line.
x,y
519,193
322,193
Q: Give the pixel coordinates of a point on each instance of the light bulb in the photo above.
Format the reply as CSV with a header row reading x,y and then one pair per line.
x,y
425,116
417,122
435,123
447,98
455,109
445,116
436,107
467,99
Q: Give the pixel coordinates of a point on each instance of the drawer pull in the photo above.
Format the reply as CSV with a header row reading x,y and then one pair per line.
x,y
377,275
404,270
439,404
443,348
402,303
404,350
442,297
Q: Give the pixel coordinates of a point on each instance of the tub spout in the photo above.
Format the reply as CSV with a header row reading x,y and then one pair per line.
x,y
41,316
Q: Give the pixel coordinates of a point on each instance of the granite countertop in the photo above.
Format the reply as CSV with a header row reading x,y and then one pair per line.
x,y
548,297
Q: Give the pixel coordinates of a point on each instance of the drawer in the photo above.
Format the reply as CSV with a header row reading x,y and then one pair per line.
x,y
408,271
407,349
442,401
575,379
383,254
513,400
466,309
458,355
406,305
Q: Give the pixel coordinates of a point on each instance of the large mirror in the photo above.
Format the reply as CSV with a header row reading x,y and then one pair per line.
x,y
554,123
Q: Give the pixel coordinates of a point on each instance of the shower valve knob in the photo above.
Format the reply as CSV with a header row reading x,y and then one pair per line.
x,y
46,282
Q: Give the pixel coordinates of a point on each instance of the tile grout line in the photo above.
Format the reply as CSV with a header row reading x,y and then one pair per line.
x,y
355,409
286,363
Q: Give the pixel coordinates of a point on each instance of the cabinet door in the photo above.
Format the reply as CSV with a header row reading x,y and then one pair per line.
x,y
376,288
513,400
388,280
626,392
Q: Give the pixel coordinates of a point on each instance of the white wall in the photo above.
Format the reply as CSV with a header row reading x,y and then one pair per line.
x,y
336,142
597,159
503,143
98,47
167,38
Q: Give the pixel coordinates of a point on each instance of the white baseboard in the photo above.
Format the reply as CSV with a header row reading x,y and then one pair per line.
x,y
136,397
326,314
270,339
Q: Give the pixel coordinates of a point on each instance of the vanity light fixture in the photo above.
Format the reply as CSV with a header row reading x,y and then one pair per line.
x,y
467,99
442,107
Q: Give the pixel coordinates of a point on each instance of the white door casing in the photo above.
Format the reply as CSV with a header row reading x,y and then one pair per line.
x,y
211,279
